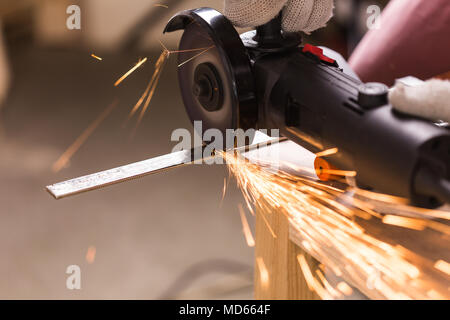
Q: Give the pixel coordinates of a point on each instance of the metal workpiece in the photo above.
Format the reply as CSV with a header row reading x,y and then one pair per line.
x,y
128,172
144,168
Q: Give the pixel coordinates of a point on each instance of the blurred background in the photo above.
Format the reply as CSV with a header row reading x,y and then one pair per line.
x,y
164,236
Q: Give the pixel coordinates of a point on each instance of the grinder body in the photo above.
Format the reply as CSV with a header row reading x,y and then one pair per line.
x,y
319,106
265,80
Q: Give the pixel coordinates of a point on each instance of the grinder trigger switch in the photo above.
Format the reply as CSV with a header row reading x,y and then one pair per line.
x,y
317,53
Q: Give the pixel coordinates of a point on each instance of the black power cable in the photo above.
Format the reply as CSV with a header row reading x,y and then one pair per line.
x,y
196,271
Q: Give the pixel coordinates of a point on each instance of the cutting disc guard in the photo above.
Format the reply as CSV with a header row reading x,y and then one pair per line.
x,y
215,75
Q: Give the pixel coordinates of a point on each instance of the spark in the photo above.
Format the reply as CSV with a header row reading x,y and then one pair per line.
x,y
163,46
328,152
268,224
140,101
159,66
404,222
263,272
340,228
381,197
306,271
440,227
90,254
224,191
150,89
197,55
96,57
312,283
76,145
127,74
191,50
246,228
344,288
433,294
249,206
149,92
161,5
182,51
334,293
443,266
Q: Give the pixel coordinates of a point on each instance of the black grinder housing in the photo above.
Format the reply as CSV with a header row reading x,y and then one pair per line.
x,y
264,79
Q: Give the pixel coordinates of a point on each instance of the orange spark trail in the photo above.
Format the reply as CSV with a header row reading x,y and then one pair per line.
x,y
311,281
404,222
161,5
190,50
263,272
90,254
443,266
268,225
327,152
140,101
344,288
96,57
328,287
127,74
153,83
68,154
163,46
197,55
224,190
340,227
246,228
150,90
159,67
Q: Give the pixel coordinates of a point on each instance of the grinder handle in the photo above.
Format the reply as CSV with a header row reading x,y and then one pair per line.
x,y
271,38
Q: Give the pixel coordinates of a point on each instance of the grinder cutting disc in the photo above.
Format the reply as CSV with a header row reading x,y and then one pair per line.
x,y
214,74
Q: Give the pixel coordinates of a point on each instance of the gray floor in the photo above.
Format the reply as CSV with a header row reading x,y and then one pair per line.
x,y
148,232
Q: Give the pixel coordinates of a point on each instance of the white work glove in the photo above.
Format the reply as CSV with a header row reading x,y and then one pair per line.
x,y
298,15
430,100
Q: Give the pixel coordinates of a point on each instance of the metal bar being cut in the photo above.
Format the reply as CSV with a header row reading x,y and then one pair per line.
x,y
139,169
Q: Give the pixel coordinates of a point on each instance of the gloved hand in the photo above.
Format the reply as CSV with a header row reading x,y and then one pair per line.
x,y
431,100
298,15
